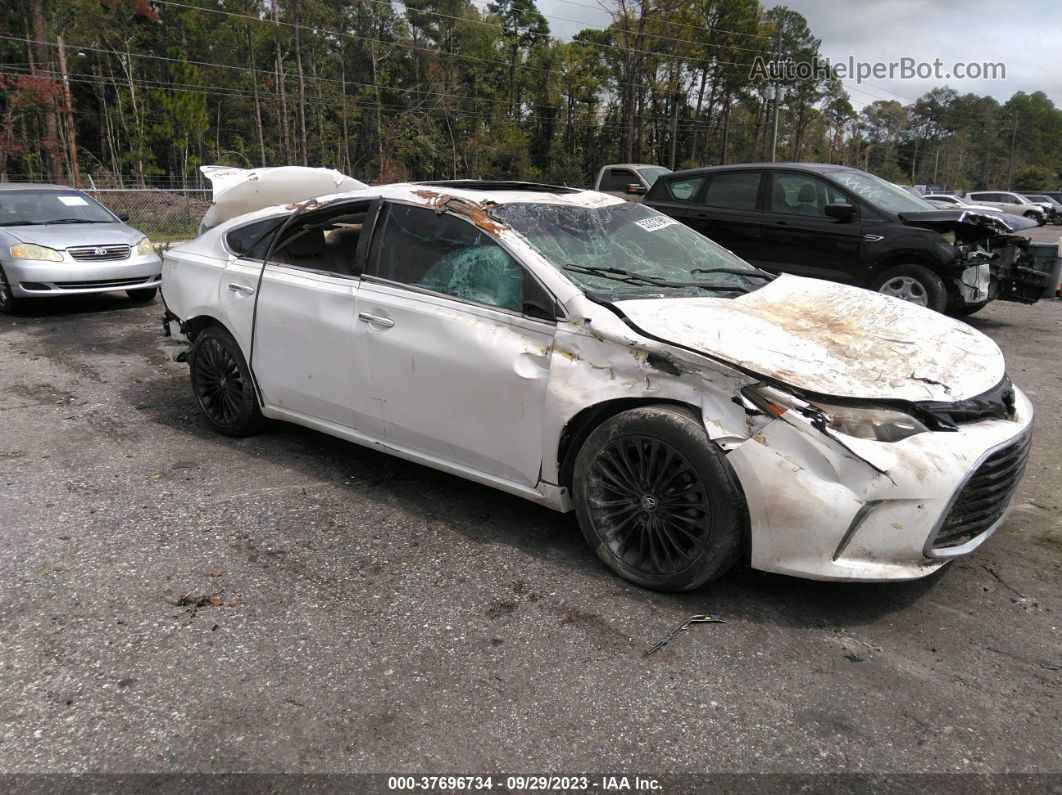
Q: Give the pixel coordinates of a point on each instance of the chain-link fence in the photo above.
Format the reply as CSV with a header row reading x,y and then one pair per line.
x,y
164,215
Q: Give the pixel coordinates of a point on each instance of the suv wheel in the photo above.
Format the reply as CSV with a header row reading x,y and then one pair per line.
x,y
222,384
913,283
657,500
1034,217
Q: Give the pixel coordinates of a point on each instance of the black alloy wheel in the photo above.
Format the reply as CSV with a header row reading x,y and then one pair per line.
x,y
222,384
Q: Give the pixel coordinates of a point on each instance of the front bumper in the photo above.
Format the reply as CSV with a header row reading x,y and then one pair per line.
x,y
40,279
840,508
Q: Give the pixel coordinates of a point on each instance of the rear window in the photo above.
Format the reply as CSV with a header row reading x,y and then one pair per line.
x,y
683,190
737,191
617,180
252,241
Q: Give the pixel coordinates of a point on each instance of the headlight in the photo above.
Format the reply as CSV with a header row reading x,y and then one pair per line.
x,y
144,247
863,422
949,237
33,251
880,424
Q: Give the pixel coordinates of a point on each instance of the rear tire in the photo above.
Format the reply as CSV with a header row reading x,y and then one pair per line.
x,y
657,501
222,385
913,283
143,295
9,305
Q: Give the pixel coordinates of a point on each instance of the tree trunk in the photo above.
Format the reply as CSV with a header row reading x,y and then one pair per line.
x,y
257,104
285,139
68,112
302,84
52,157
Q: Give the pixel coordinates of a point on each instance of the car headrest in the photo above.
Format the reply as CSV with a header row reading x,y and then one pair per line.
x,y
806,194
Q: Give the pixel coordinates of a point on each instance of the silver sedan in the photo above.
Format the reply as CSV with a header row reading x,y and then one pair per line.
x,y
57,241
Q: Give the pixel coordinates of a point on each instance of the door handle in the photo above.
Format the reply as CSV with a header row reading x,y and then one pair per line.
x,y
241,288
365,317
781,223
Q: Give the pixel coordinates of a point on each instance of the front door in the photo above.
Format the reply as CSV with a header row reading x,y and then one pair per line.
x,y
800,238
453,338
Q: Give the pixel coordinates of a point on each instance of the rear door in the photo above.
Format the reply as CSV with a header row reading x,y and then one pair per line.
x,y
303,353
727,210
798,235
453,339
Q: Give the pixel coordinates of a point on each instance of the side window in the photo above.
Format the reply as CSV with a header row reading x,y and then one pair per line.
x,y
617,179
685,190
448,255
252,241
325,241
799,194
736,191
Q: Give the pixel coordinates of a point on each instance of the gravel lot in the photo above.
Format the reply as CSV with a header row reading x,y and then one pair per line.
x,y
176,601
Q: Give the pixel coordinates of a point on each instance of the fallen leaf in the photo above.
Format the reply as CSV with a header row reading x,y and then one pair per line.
x,y
216,573
215,602
234,603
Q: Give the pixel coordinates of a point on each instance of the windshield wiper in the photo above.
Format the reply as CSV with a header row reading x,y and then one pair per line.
x,y
22,223
74,221
619,275
767,277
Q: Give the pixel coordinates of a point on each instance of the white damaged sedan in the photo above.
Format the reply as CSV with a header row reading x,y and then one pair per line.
x,y
591,354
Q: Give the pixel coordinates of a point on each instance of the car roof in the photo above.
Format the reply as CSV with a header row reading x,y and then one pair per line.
x,y
32,185
633,165
814,168
471,195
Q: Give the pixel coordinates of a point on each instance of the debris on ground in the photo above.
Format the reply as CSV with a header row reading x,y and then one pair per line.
x,y
697,619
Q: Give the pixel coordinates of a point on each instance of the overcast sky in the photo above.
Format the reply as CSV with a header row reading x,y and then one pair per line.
x,y
1024,35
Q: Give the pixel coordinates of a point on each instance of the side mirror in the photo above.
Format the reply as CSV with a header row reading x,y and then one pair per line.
x,y
842,211
636,189
123,217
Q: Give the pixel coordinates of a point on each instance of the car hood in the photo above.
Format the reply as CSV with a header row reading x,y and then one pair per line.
x,y
971,223
63,236
830,339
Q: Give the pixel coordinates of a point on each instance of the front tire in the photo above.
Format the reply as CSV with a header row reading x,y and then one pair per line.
x,y
657,501
221,382
143,295
913,283
1035,217
9,305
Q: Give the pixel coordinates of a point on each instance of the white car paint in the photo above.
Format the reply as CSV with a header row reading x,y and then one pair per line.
x,y
488,394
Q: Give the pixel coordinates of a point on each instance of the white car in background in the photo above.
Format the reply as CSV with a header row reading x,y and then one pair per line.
x,y
595,355
1009,202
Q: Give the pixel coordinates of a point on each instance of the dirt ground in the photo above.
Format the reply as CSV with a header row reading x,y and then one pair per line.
x,y
177,601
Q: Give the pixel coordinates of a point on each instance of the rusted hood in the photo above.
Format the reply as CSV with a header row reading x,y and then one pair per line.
x,y
830,339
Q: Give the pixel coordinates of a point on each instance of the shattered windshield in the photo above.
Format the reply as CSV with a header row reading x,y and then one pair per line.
x,y
879,192
628,250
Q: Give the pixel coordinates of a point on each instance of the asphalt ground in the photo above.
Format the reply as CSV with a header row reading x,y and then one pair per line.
x,y
176,601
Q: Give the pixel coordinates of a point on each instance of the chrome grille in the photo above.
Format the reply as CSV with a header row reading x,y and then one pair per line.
x,y
986,495
103,253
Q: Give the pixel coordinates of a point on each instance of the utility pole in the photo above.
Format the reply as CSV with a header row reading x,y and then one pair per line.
x,y
774,130
1010,161
777,94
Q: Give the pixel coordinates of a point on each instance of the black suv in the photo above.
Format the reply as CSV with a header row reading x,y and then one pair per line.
x,y
839,223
